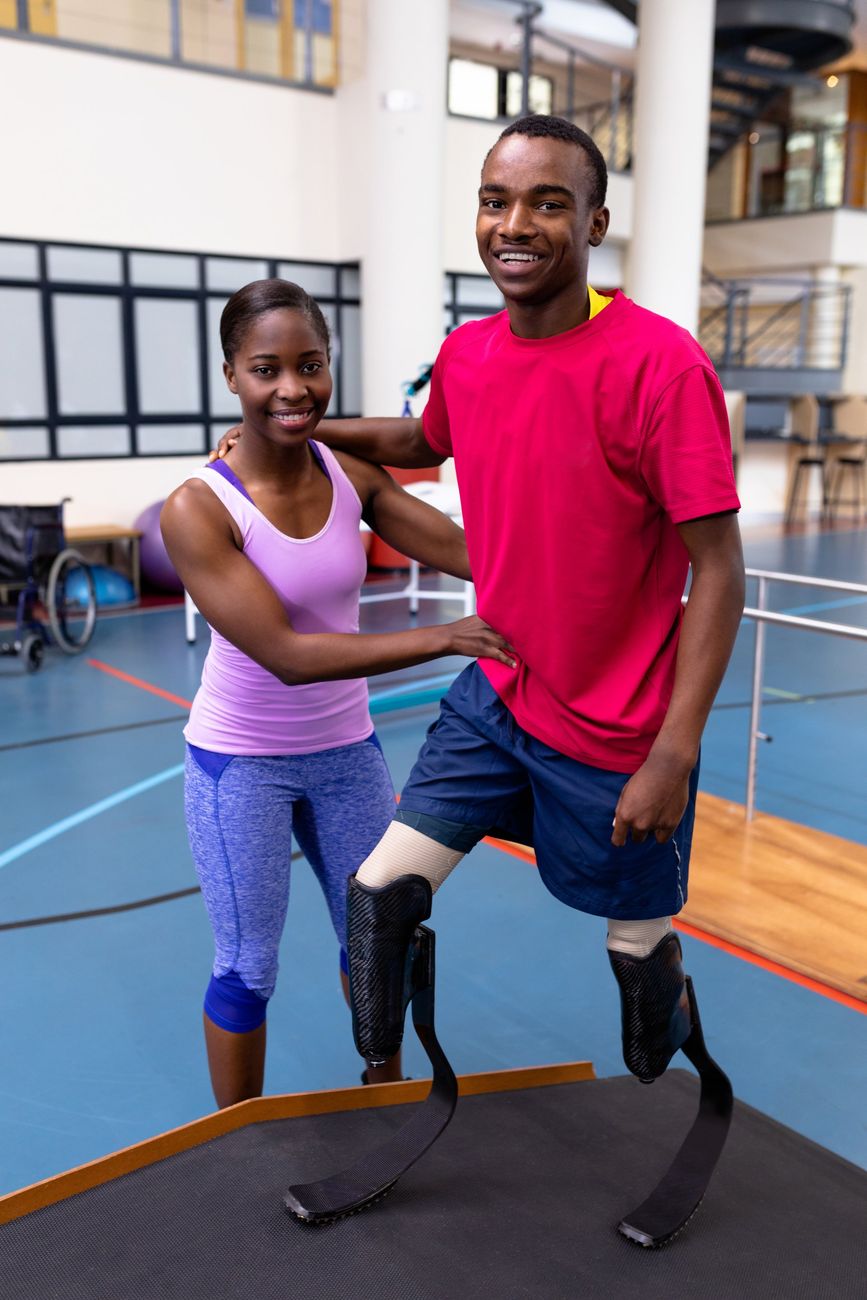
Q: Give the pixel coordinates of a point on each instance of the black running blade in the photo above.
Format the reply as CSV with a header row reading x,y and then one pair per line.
x,y
371,1177
669,1208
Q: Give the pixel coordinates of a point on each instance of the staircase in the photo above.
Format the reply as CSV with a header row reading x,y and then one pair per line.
x,y
762,49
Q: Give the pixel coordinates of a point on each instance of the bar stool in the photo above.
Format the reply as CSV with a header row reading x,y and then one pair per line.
x,y
847,472
804,425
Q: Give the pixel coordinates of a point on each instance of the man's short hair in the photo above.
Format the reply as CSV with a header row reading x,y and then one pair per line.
x,y
558,128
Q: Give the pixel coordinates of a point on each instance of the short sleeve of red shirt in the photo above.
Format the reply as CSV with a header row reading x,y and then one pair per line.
x,y
435,416
686,457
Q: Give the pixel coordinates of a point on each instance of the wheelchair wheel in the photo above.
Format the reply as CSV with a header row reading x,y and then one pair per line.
x,y
32,652
71,616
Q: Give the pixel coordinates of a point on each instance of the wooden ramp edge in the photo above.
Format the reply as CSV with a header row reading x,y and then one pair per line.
x,y
261,1109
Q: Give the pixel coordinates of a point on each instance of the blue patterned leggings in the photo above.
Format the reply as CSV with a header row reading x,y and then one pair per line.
x,y
241,813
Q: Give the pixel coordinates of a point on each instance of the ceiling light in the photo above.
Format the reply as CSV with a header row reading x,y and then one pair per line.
x,y
832,81
754,137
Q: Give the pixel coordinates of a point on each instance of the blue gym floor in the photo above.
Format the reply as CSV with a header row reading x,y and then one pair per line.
x,y
100,1026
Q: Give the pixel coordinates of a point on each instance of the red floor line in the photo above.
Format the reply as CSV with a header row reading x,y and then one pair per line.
x,y
142,685
733,949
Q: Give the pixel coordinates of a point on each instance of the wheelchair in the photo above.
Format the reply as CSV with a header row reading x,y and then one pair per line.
x,y
46,583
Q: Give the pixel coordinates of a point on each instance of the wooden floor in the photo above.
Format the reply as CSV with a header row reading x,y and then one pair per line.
x,y
786,892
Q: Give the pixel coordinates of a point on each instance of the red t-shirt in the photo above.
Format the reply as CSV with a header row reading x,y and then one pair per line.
x,y
576,456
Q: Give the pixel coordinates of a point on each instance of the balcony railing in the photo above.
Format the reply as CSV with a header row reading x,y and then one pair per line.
x,y
775,324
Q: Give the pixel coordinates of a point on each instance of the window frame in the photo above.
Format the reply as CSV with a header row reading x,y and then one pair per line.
x,y
128,292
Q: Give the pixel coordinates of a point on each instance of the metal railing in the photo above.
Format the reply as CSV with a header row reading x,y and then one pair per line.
x,y
762,617
775,323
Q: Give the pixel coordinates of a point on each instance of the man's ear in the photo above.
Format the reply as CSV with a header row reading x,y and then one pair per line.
x,y
598,227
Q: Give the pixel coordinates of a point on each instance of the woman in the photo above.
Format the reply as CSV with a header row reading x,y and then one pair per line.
x,y
280,738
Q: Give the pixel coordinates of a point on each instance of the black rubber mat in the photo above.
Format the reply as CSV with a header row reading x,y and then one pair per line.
x,y
519,1199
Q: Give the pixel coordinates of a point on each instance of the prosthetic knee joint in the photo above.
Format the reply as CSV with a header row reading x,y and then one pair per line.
x,y
380,926
654,1002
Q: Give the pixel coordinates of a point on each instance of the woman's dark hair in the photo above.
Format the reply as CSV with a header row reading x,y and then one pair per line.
x,y
254,300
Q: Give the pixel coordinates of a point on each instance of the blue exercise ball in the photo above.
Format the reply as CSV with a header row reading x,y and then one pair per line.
x,y
112,588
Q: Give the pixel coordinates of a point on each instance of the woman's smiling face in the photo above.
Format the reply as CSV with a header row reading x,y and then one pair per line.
x,y
280,373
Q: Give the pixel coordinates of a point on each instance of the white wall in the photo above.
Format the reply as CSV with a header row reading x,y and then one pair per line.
x,y
786,245
120,151
102,491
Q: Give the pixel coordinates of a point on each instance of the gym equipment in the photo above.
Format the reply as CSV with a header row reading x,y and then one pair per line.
x,y
156,567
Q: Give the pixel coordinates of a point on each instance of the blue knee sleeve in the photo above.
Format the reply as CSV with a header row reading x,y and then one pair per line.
x,y
232,1006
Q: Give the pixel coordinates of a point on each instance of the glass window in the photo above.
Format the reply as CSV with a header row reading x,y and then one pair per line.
x,y
19,261
164,270
262,9
94,440
314,279
541,93
227,274
87,339
141,28
350,281
478,291
473,89
85,265
169,439
167,355
222,401
24,444
217,431
22,374
318,12
209,33
350,359
329,311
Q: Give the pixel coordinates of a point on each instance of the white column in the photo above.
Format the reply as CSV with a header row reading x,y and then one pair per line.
x,y
393,143
672,114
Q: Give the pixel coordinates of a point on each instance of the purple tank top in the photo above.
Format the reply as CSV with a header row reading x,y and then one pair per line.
x,y
241,708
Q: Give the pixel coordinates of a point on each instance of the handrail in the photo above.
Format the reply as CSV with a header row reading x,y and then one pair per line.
x,y
762,616
802,580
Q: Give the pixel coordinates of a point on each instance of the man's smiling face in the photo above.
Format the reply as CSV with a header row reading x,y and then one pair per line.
x,y
536,222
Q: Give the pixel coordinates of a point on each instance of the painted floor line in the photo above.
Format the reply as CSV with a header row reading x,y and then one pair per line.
x,y
427,690
142,685
85,814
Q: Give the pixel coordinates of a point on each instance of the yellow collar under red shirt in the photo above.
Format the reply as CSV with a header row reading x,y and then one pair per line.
x,y
597,302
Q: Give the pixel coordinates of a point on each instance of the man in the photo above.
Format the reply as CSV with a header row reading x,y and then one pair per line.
x,y
592,453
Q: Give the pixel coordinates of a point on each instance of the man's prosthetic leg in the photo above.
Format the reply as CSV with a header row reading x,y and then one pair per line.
x,y
391,964
660,1016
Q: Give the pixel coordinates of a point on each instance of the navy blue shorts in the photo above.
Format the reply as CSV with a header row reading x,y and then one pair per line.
x,y
479,773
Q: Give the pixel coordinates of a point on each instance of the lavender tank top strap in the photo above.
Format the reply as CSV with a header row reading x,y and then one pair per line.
x,y
225,471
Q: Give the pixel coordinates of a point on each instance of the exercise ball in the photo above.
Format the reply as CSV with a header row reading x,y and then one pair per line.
x,y
157,569
112,589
